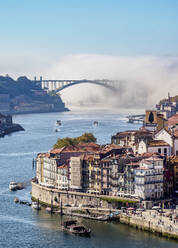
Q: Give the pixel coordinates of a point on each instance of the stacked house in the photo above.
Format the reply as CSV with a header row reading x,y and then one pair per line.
x,y
138,163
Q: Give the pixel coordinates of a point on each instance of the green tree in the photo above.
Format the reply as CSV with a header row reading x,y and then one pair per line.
x,y
85,138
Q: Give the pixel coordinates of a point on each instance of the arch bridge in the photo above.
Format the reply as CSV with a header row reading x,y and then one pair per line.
x,y
59,85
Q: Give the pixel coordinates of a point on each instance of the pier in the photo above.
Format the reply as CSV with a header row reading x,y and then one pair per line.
x,y
136,118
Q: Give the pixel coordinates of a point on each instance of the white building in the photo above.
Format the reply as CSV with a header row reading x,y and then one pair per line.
x,y
76,173
149,178
154,146
62,177
171,137
47,170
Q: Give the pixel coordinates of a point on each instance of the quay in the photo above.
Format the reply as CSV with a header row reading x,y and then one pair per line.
x,y
135,118
164,224
154,222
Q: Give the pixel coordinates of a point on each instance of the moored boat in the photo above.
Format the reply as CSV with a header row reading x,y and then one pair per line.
x,y
16,200
73,227
12,186
36,205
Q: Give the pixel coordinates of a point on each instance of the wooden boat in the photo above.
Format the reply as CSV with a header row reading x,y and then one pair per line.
x,y
73,227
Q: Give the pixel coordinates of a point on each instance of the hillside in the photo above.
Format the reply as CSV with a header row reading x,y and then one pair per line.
x,y
26,96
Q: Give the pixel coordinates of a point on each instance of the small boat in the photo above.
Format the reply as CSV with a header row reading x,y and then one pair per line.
x,y
95,123
73,227
58,122
23,202
13,186
36,205
50,210
56,130
16,200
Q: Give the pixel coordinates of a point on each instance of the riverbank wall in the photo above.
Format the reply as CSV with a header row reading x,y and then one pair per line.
x,y
150,226
45,195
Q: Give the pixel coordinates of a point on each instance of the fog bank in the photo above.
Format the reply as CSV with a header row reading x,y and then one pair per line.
x,y
142,80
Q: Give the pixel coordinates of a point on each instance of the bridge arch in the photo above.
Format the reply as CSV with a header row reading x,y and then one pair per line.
x,y
75,82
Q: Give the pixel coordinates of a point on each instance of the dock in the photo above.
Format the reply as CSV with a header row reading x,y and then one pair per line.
x,y
136,118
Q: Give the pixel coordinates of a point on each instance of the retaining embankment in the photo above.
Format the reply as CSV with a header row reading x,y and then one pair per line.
x,y
150,226
45,195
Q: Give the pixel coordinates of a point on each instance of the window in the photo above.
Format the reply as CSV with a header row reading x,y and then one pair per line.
x,y
159,150
165,151
177,153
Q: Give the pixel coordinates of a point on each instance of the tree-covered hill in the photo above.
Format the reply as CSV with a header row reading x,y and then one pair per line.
x,y
24,92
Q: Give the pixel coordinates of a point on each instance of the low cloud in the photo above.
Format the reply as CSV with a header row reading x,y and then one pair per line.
x,y
142,80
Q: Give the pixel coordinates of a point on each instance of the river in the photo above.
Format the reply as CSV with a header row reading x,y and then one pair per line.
x,y
20,225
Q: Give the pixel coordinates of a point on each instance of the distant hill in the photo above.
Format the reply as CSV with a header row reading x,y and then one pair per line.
x,y
26,96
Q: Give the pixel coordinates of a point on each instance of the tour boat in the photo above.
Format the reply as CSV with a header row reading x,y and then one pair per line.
x,y
13,186
73,227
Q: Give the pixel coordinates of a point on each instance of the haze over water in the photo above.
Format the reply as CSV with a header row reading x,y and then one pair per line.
x,y
20,225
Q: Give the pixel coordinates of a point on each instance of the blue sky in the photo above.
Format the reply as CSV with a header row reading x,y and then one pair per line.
x,y
45,30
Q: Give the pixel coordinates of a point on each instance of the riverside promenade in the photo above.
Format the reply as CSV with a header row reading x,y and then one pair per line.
x,y
165,223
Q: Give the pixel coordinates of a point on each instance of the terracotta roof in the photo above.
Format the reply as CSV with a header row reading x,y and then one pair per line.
x,y
125,133
173,120
62,166
110,147
43,155
134,163
154,143
146,161
154,158
142,168
57,150
175,133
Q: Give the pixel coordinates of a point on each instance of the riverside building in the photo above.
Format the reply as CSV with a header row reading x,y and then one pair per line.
x,y
149,179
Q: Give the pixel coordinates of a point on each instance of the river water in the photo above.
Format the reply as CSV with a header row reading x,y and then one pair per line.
x,y
20,225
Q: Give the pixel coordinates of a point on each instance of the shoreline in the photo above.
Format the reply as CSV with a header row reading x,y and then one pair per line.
x,y
11,129
38,112
149,220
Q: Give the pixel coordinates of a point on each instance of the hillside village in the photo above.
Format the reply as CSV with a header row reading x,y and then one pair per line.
x,y
138,164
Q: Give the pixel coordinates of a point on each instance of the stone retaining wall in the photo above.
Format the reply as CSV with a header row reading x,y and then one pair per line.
x,y
148,226
45,195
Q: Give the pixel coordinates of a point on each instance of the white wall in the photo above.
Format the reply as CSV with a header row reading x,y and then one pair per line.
x,y
142,148
164,135
155,149
175,146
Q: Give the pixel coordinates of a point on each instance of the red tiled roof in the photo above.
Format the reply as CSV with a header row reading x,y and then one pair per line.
x,y
110,147
175,133
173,120
154,143
43,155
62,166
